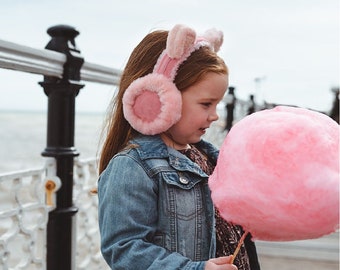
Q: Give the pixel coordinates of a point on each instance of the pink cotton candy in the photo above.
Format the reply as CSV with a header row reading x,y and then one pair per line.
x,y
277,175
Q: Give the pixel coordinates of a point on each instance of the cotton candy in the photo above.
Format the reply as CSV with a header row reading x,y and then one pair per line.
x,y
277,175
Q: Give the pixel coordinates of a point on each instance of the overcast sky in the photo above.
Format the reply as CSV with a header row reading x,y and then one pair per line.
x,y
292,45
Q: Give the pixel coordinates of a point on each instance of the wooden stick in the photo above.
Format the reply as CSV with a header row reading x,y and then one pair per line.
x,y
239,246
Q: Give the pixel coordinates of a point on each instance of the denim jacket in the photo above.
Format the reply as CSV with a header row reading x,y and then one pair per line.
x,y
155,209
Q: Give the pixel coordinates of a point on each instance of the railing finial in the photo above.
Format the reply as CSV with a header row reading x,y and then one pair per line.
x,y
63,40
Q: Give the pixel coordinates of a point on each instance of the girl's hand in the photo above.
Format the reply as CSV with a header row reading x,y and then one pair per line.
x,y
220,263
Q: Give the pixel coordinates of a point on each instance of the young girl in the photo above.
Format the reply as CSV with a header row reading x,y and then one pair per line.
x,y
155,209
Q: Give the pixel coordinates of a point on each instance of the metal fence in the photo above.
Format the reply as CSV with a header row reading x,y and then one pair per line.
x,y
48,217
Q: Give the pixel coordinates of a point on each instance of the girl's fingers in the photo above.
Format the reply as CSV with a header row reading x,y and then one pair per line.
x,y
222,260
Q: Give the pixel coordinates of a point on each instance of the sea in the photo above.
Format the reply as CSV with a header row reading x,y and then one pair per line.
x,y
23,138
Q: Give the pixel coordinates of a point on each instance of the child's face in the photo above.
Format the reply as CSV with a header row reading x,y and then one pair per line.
x,y
199,104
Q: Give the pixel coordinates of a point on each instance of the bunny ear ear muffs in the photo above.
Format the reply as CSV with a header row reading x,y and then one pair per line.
x,y
152,104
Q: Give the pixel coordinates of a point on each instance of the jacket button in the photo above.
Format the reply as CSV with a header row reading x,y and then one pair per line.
x,y
183,180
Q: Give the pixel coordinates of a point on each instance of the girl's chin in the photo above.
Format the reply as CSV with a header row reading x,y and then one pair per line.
x,y
196,139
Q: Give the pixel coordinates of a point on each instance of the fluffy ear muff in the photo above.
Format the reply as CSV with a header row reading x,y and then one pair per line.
x,y
215,38
152,104
180,41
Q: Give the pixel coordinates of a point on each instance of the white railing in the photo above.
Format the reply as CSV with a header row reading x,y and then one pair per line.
x,y
23,219
50,63
24,208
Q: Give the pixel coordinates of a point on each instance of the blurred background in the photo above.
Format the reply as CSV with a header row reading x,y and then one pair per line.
x,y
284,52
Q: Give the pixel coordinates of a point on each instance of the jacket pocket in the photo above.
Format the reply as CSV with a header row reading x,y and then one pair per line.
x,y
184,198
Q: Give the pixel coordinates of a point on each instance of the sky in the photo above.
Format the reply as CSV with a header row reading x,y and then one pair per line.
x,y
284,52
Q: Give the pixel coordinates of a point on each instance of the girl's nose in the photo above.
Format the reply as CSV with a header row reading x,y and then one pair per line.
x,y
213,116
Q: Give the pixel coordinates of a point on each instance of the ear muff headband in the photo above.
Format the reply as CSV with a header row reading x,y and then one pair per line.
x,y
152,104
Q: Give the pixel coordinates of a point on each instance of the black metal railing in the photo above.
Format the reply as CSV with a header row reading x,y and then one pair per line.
x,y
64,71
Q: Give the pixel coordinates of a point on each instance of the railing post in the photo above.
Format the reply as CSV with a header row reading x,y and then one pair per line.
x,y
62,94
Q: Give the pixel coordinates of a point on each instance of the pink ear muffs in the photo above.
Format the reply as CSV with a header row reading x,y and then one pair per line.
x,y
152,104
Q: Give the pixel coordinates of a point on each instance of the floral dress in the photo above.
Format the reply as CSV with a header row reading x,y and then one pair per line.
x,y
227,234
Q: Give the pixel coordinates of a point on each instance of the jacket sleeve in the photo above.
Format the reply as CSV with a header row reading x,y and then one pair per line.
x,y
128,214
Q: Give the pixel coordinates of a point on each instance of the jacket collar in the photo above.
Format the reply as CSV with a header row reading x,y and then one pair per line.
x,y
154,147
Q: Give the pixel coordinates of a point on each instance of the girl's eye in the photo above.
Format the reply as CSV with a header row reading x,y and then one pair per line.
x,y
206,104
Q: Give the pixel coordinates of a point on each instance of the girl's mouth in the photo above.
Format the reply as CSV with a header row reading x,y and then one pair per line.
x,y
203,130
